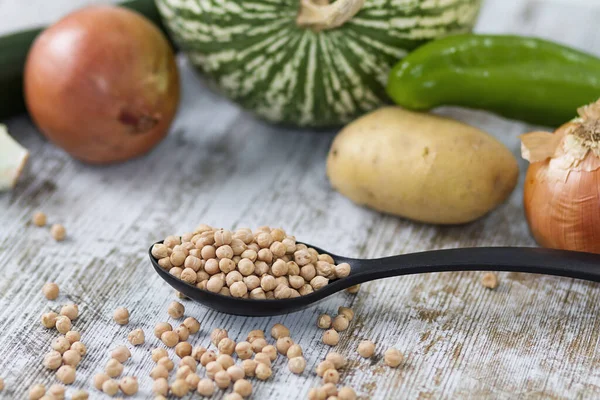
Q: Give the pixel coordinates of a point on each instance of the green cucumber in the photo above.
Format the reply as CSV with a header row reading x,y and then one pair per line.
x,y
13,54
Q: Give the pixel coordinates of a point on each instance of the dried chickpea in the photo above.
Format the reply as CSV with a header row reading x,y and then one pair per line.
x,y
63,324
330,389
366,348
113,368
160,386
52,360
121,354
242,387
197,352
183,349
192,262
158,372
188,275
283,344
226,265
224,251
271,351
258,293
99,380
58,232
325,269
176,310
282,292
49,319
353,289
319,282
136,337
269,295
183,332
192,325
165,263
183,372
73,336
56,392
346,393
225,291
324,366
121,316
246,266
331,376
159,251
202,276
178,257
226,346
324,321
206,387
258,344
236,373
217,335
223,237
225,360
170,338
189,361
296,281
308,272
262,358
157,354
338,360
71,357
340,323
306,289
208,357
172,241
161,328
50,290
268,283
342,270
37,391
179,388
192,380
70,310
243,350
79,347
212,266
261,268
279,330
129,385
222,379
249,367
317,394
66,374
297,365
331,337
263,371
346,312
392,357
233,396
489,280
238,289
214,284
265,255
176,272
167,363
294,351
60,344
39,219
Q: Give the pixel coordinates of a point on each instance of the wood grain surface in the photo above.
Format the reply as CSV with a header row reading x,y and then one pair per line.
x,y
534,337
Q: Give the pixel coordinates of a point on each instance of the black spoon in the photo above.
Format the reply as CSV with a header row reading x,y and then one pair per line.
x,y
571,264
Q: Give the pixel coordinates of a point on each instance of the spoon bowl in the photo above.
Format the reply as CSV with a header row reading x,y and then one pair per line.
x,y
571,264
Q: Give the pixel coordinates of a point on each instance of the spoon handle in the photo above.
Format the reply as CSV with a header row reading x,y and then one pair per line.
x,y
513,259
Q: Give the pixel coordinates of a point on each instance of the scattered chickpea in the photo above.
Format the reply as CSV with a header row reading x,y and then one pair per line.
x,y
189,361
225,360
158,372
222,379
324,366
243,350
263,371
70,310
49,319
331,376
233,396
179,388
129,385
331,337
183,372
183,349
283,344
192,380
66,374
58,232
236,373
271,351
56,391
317,394
197,352
262,358
167,363
79,347
136,337
113,368
73,336
110,387
161,328
60,344
338,360
249,367
170,338
489,280
346,312
330,389
121,316
217,335
346,393
206,387
340,323
37,391
242,387
279,330
393,358
294,351
353,289
183,332
207,357
121,354
297,365
212,368
50,290
63,324
160,386
39,219
366,348
71,357
80,395
226,346
99,380
157,354
52,360
258,344
192,324
176,310
324,321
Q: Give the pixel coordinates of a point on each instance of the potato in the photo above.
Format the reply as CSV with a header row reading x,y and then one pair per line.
x,y
421,166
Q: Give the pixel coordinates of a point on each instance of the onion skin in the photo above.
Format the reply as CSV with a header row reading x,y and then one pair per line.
x,y
563,212
102,83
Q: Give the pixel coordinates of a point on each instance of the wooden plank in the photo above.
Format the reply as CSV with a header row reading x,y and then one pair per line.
x,y
534,337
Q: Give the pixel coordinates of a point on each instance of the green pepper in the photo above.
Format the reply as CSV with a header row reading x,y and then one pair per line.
x,y
528,79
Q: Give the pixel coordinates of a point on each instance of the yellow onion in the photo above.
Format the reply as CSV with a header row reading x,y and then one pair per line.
x,y
562,187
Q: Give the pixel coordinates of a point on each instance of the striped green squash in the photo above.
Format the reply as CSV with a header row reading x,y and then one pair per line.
x,y
259,56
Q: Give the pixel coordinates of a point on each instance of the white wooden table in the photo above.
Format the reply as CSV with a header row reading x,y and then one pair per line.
x,y
534,337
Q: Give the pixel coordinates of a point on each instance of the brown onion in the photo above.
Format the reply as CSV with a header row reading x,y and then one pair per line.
x,y
562,186
102,83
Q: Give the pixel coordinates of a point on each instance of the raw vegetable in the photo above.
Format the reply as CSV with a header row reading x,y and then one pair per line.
x,y
13,53
562,189
308,62
420,166
528,79
13,158
102,83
